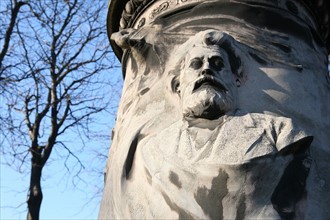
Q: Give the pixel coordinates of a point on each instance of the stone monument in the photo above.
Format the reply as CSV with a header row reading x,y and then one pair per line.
x,y
225,110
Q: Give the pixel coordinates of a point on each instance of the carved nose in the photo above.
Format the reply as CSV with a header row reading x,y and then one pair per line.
x,y
206,72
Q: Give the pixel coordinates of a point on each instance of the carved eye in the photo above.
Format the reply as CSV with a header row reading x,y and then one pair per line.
x,y
196,63
217,63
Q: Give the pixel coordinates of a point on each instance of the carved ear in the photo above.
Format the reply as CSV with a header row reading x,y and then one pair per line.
x,y
238,82
175,85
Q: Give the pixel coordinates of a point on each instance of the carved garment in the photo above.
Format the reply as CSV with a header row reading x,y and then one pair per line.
x,y
206,173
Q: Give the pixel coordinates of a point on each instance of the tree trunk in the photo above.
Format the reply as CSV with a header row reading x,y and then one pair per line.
x,y
35,193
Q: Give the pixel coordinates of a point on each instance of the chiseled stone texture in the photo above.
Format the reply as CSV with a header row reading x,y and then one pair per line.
x,y
224,115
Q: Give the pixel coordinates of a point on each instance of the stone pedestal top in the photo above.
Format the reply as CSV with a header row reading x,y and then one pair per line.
x,y
136,13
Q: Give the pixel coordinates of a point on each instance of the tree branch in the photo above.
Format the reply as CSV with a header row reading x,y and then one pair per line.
x,y
10,28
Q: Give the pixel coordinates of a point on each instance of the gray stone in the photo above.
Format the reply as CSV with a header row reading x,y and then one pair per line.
x,y
224,112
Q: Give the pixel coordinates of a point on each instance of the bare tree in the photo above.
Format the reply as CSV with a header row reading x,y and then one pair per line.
x,y
54,87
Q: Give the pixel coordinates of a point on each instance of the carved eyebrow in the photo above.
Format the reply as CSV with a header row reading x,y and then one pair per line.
x,y
196,59
216,57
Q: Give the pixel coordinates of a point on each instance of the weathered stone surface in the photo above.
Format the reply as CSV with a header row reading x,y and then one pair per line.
x,y
224,112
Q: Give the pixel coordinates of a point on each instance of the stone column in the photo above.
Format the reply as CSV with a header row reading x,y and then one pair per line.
x,y
225,111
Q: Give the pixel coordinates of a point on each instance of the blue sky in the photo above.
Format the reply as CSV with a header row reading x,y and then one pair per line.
x,y
65,195
68,193
61,201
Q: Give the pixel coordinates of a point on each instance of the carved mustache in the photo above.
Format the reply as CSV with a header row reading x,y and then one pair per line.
x,y
210,81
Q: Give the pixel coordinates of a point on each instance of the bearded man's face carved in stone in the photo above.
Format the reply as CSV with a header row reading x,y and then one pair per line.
x,y
207,84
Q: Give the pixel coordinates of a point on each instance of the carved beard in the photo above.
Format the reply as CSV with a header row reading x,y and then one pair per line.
x,y
207,103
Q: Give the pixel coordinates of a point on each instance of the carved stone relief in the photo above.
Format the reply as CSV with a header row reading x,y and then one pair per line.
x,y
223,114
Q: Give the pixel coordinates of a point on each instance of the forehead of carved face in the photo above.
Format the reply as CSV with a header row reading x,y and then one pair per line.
x,y
207,83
